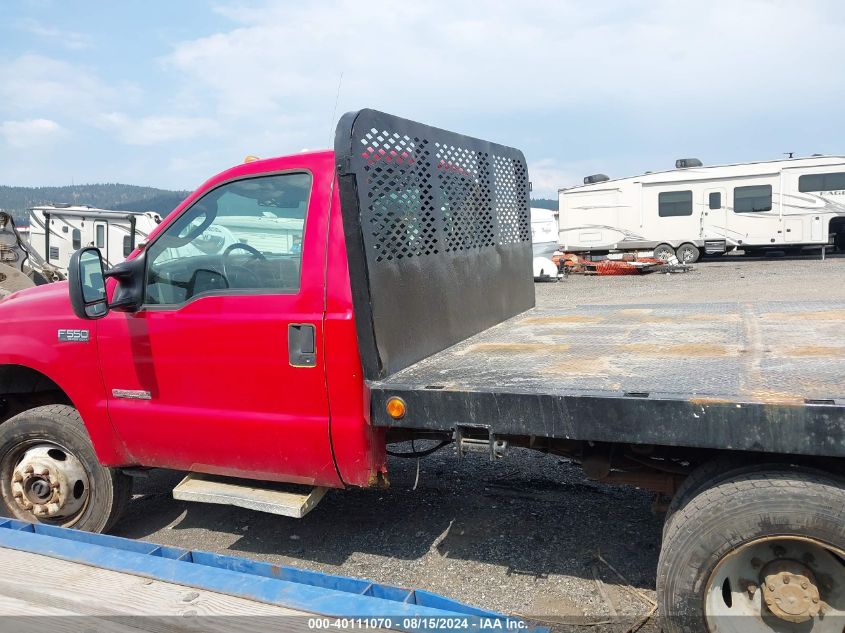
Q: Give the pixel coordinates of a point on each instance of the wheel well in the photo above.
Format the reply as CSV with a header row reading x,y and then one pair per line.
x,y
837,225
23,388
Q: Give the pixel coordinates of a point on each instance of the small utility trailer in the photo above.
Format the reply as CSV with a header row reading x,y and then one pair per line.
x,y
57,578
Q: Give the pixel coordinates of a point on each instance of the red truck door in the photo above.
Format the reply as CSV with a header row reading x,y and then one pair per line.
x,y
221,369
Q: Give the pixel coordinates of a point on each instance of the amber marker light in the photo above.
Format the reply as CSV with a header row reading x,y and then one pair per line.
x,y
396,408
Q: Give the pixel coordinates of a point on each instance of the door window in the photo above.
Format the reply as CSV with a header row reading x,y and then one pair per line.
x,y
243,236
100,236
715,200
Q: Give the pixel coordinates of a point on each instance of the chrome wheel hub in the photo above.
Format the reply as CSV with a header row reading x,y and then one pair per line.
x,y
49,482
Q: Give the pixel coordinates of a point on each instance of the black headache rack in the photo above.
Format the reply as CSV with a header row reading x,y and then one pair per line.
x,y
437,233
438,240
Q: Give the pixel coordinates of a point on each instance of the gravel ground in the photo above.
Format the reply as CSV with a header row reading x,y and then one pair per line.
x,y
522,535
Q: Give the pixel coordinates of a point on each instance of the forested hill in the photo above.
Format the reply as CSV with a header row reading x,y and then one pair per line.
x,y
544,203
18,200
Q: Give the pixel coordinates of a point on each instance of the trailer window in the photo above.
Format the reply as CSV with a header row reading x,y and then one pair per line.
x,y
716,200
245,235
100,236
822,182
673,203
127,245
76,239
753,199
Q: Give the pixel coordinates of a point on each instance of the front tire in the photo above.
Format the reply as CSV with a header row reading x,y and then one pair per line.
x,y
664,252
761,552
49,472
688,253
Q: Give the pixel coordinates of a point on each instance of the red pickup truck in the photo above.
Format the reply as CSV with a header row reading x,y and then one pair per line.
x,y
296,315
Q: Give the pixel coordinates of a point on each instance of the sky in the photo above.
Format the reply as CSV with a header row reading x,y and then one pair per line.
x,y
166,94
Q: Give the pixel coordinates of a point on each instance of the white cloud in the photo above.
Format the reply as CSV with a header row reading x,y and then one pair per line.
x,y
412,58
548,176
152,130
71,40
31,132
35,83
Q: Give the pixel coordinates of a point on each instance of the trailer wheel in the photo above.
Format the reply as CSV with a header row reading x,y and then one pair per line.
x,y
664,252
688,253
50,474
761,552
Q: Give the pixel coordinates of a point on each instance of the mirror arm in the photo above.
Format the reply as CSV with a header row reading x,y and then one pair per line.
x,y
130,289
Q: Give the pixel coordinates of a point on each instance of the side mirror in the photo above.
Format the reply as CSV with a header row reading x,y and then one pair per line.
x,y
87,284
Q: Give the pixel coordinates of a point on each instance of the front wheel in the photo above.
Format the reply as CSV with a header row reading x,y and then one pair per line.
x,y
49,472
664,252
759,553
688,253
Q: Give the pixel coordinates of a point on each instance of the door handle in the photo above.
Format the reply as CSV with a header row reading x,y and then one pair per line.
x,y
302,345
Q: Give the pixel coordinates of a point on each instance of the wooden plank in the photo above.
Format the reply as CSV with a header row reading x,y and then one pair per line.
x,y
36,585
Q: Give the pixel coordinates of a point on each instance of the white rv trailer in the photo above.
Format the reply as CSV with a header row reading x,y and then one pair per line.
x,y
544,232
57,231
694,210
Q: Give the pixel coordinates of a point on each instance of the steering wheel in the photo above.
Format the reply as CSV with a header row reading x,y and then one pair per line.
x,y
231,271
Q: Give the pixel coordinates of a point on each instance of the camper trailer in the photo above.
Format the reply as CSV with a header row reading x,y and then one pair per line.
x,y
695,210
544,232
57,231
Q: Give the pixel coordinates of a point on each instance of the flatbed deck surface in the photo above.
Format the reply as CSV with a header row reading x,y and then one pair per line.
x,y
766,376
778,352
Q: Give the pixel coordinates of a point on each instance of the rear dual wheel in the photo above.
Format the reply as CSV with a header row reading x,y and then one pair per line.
x,y
759,552
49,472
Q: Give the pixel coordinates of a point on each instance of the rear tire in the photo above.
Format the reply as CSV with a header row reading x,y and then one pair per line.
x,y
49,472
726,544
688,253
721,469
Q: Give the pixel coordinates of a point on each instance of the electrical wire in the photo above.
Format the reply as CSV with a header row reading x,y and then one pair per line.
x,y
417,454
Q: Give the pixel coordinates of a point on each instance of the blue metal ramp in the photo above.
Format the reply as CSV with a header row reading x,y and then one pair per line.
x,y
307,591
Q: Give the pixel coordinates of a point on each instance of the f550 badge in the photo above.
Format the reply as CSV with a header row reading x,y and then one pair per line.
x,y
74,336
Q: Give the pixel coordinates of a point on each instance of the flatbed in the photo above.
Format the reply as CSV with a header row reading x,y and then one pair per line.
x,y
767,376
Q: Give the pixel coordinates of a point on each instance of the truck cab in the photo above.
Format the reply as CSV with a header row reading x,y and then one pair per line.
x,y
213,358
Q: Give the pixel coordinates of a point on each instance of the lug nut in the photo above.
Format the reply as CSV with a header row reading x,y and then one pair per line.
x,y
29,469
17,477
786,580
44,472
